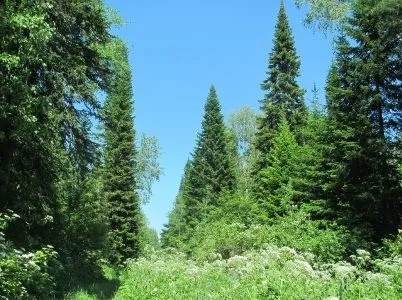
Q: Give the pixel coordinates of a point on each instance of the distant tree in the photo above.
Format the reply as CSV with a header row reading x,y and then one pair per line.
x,y
284,97
119,181
212,171
148,236
175,232
326,15
148,169
242,125
243,122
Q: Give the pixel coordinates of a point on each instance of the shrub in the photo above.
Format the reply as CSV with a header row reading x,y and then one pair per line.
x,y
24,275
393,245
328,241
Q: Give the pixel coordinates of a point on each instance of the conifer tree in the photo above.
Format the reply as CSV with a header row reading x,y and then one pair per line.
x,y
51,68
313,152
212,170
284,164
175,231
120,158
284,97
364,112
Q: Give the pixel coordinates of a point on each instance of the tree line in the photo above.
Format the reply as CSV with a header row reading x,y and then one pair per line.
x,y
338,163
72,173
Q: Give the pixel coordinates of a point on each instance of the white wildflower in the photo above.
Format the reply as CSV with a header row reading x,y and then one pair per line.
x,y
299,267
325,275
309,257
27,255
287,250
378,278
363,253
220,264
344,269
193,271
237,261
305,265
48,219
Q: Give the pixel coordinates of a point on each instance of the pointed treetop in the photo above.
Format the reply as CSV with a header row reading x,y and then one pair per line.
x,y
282,10
284,99
212,88
282,16
212,93
283,91
212,102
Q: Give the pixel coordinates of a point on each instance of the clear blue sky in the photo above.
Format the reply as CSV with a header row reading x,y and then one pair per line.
x,y
179,47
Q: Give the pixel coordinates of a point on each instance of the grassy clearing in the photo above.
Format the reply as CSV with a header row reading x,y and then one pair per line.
x,y
271,273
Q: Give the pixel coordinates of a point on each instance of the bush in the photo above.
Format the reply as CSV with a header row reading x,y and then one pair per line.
x,y
328,241
393,246
24,275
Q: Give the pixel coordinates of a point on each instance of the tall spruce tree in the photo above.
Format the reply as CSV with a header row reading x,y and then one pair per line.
x,y
284,97
120,158
212,170
364,91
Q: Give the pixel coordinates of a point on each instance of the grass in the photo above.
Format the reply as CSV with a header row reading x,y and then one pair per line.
x,y
269,273
101,289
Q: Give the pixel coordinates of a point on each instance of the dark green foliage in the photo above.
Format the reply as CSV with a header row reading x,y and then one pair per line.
x,y
364,91
293,174
50,68
207,176
284,97
55,58
278,179
85,227
212,170
119,182
24,275
313,149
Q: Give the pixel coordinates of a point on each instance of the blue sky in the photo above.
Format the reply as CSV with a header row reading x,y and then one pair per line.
x,y
178,48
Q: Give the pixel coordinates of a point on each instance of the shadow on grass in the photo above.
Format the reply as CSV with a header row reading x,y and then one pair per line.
x,y
101,288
